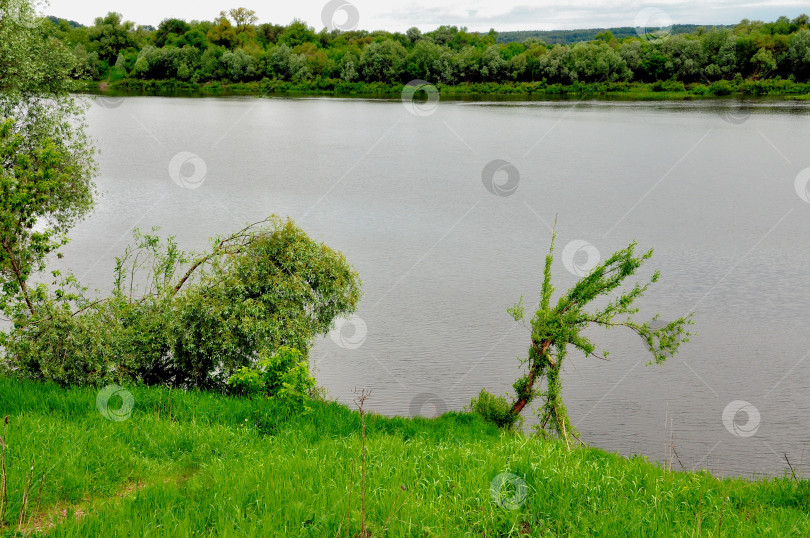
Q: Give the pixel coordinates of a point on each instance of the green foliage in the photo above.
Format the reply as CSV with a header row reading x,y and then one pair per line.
x,y
217,465
720,88
187,319
555,328
46,160
247,382
495,410
247,52
283,374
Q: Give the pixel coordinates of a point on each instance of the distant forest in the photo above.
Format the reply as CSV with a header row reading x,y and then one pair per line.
x,y
235,47
569,37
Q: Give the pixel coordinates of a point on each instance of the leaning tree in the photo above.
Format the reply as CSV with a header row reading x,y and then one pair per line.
x,y
554,329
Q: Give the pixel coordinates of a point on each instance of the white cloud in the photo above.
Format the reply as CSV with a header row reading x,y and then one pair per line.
x,y
477,15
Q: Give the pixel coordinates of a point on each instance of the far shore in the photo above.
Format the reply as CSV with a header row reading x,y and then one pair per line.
x,y
738,90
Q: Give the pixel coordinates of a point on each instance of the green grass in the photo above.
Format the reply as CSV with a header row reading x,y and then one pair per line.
x,y
217,466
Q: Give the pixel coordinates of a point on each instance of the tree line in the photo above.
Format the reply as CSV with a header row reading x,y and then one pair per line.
x,y
234,47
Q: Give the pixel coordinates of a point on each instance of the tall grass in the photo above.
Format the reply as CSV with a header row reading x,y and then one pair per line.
x,y
200,464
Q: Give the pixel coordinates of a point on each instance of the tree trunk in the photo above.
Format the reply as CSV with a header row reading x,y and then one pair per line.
x,y
518,406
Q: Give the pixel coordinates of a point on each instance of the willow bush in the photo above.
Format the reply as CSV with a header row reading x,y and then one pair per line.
x,y
187,319
556,328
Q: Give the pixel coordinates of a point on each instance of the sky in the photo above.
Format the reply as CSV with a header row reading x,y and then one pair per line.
x,y
476,15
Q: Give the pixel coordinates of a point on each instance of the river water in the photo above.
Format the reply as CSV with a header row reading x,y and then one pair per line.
x,y
446,213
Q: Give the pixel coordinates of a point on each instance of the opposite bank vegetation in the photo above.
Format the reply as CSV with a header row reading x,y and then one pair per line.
x,y
670,90
235,53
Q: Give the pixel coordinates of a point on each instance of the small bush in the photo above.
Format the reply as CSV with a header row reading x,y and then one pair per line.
x,y
721,88
494,409
283,375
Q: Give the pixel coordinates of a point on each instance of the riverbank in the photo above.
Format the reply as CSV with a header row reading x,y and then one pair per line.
x,y
198,463
671,90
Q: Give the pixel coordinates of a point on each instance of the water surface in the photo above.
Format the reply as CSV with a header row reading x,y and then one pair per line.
x,y
709,186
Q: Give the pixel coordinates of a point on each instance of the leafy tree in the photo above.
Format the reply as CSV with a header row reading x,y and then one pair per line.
x,y
448,54
243,17
284,64
239,65
493,65
382,62
798,56
719,54
555,328
556,65
111,35
178,27
429,61
211,68
597,63
222,32
297,33
188,319
414,34
193,38
46,160
684,57
763,62
269,33
605,37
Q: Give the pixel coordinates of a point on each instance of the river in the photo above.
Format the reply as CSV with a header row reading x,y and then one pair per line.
x,y
446,211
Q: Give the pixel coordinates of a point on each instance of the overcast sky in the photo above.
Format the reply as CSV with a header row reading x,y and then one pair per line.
x,y
428,14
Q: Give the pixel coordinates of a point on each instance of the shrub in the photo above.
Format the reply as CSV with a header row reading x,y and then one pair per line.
x,y
283,375
189,320
494,409
721,88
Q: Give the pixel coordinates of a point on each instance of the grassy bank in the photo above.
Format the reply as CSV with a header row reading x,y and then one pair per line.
x,y
191,463
672,90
